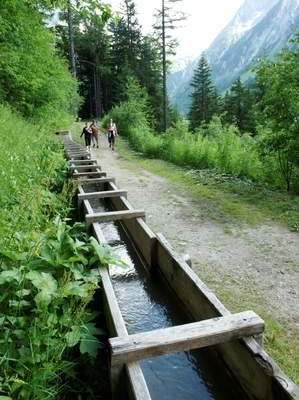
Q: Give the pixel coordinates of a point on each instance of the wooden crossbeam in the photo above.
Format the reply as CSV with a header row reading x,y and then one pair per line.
x,y
91,161
84,167
101,195
77,153
91,181
113,216
88,173
184,337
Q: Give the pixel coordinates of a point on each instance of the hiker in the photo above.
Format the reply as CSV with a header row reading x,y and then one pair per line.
x,y
87,135
94,134
112,132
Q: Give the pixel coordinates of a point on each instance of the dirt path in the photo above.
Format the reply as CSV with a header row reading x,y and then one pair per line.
x,y
258,263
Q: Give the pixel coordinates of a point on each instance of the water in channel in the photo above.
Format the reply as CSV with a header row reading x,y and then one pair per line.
x,y
146,303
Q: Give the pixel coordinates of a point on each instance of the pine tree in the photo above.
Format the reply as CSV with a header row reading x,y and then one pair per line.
x,y
167,20
125,51
238,103
150,77
204,98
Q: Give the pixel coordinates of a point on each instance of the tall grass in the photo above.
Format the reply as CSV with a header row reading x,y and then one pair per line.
x,y
45,279
31,165
216,146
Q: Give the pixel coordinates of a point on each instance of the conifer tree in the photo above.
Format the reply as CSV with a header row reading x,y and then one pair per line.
x,y
125,51
237,104
167,20
150,76
204,98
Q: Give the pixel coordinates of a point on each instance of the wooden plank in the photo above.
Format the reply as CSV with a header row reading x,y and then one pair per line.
x,y
80,189
78,156
92,181
84,167
137,384
185,337
113,216
101,195
75,154
77,151
87,206
91,161
88,173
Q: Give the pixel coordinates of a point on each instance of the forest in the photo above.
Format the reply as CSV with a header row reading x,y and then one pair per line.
x,y
93,63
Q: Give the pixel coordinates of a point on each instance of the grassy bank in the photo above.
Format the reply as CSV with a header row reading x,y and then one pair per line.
x,y
45,278
231,199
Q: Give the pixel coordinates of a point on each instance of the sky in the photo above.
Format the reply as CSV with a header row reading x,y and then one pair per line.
x,y
205,19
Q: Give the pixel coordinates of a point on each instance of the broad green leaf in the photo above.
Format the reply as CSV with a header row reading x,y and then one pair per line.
x,y
90,346
46,285
43,299
105,254
19,304
10,275
23,292
76,289
12,255
43,281
73,337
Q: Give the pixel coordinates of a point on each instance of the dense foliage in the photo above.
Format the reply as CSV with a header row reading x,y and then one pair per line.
x,y
45,267
278,111
33,78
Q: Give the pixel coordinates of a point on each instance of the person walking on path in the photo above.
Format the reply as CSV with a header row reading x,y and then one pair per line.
x,y
94,134
87,136
112,132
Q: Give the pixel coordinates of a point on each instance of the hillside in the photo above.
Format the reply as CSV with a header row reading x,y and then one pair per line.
x,y
259,29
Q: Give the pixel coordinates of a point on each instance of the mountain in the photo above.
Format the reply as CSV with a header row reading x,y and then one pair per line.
x,y
260,28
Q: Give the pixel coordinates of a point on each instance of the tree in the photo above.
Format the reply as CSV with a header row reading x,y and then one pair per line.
x,y
150,77
125,49
237,105
204,97
167,20
91,43
278,109
34,79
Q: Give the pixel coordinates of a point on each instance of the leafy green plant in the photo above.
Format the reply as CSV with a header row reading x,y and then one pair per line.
x,y
44,310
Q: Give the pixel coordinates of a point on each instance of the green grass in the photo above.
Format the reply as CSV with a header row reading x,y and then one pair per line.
x,y
45,279
229,200
281,344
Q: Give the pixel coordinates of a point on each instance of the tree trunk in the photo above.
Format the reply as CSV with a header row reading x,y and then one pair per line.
x,y
164,68
71,40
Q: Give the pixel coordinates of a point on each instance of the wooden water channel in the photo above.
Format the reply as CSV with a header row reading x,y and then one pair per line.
x,y
237,338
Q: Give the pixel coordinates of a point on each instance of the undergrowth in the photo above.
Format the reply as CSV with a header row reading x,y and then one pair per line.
x,y
46,277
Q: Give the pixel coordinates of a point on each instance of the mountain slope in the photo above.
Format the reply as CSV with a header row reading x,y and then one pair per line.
x,y
260,28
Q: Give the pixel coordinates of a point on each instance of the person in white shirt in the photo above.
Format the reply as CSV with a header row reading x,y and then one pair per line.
x,y
112,132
